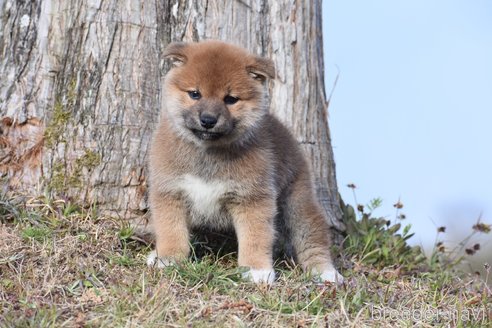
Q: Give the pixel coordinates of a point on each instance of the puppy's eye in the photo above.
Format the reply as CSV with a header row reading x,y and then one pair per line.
x,y
195,95
230,100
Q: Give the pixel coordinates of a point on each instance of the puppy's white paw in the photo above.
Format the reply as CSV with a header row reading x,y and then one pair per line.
x,y
258,276
154,261
331,275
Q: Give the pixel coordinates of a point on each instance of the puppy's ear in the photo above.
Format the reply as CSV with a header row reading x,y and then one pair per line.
x,y
261,69
176,51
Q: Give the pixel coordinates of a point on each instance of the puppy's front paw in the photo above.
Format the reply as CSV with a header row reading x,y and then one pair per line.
x,y
154,261
332,275
258,276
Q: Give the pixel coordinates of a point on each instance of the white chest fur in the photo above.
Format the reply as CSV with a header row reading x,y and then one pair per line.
x,y
204,195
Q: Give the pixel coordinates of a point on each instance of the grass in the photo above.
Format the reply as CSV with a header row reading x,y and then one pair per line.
x,y
63,266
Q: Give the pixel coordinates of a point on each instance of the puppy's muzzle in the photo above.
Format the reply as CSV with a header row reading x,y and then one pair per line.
x,y
208,121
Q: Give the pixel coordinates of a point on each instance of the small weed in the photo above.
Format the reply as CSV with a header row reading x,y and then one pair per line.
x,y
83,236
124,259
376,241
381,243
125,233
71,209
87,280
39,234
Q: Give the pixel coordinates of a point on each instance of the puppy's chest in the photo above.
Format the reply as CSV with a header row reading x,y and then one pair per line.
x,y
206,197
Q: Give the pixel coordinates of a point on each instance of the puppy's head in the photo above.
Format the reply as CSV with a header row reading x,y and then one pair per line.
x,y
215,93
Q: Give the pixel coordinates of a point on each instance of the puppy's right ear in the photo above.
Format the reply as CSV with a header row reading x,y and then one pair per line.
x,y
176,51
261,68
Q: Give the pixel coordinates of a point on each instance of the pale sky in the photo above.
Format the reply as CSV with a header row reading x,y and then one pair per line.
x,y
411,115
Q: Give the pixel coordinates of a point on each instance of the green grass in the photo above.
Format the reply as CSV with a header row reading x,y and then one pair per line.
x,y
39,234
62,266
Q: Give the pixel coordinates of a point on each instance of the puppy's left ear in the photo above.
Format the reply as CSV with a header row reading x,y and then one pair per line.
x,y
176,51
261,69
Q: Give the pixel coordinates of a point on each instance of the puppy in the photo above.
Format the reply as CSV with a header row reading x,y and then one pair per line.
x,y
218,159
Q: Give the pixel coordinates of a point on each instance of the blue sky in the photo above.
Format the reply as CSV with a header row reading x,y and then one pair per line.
x,y
411,114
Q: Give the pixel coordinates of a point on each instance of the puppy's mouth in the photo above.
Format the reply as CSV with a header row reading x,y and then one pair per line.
x,y
207,135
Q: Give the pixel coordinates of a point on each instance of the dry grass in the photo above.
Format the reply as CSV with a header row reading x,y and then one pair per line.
x,y
61,266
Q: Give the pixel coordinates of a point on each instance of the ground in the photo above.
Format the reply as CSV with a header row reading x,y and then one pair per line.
x,y
63,266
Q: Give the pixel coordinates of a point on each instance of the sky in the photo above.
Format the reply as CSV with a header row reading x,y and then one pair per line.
x,y
411,112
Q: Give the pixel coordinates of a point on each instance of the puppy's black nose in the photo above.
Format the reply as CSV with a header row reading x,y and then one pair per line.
x,y
208,121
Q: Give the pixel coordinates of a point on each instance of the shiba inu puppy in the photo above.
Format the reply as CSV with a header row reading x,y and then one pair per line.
x,y
219,159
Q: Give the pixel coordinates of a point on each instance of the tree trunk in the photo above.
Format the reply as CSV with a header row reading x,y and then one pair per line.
x,y
80,89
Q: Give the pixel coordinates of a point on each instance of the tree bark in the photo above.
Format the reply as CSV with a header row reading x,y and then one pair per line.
x,y
81,88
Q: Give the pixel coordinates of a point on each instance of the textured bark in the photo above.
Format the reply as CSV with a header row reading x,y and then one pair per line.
x,y
80,88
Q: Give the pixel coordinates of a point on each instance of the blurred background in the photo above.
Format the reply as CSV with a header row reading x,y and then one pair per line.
x,y
411,112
